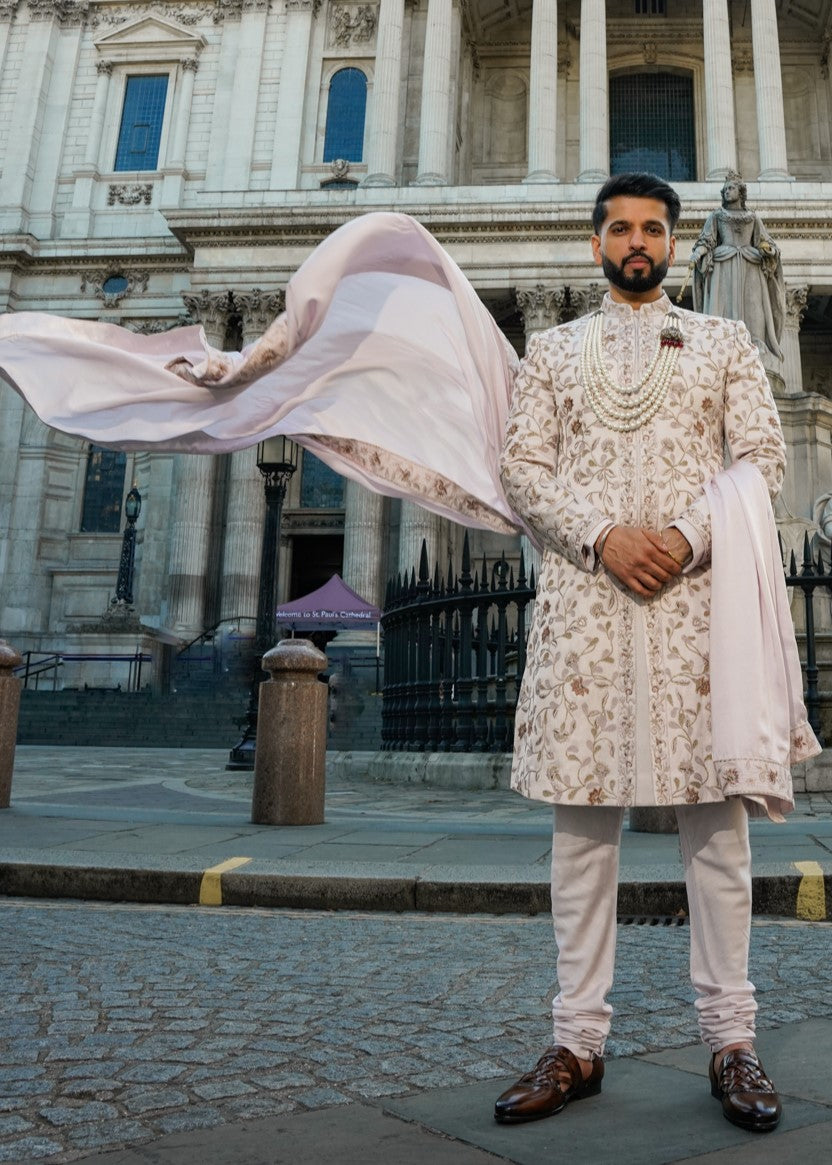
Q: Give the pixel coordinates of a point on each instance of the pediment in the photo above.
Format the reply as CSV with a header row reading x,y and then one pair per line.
x,y
148,38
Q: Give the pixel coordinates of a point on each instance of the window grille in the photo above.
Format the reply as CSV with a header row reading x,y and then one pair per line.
x,y
652,125
103,491
344,135
321,488
141,123
651,8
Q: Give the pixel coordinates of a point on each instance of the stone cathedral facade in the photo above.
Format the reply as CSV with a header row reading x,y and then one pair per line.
x,y
176,161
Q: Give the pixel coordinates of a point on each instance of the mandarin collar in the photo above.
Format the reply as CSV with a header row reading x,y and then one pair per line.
x,y
617,310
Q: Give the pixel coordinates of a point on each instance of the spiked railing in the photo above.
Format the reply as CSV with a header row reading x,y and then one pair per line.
x,y
812,575
454,652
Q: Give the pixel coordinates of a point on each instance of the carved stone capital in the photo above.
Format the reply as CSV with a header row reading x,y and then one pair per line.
x,y
104,68
124,282
258,309
65,11
586,299
542,306
211,308
797,299
8,8
189,64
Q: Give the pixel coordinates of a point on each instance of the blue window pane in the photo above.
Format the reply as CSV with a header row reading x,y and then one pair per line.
x,y
141,123
103,490
345,116
321,488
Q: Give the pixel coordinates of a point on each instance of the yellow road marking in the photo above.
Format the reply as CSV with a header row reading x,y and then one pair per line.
x,y
210,888
811,897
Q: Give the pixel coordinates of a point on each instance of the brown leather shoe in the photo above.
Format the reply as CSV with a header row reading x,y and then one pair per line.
x,y
749,1099
555,1080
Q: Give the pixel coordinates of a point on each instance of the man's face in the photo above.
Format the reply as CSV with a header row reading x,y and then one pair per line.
x,y
635,246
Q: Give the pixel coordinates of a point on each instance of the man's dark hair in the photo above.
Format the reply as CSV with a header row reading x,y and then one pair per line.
x,y
636,185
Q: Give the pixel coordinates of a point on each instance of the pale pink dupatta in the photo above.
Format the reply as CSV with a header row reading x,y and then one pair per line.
x,y
758,718
385,364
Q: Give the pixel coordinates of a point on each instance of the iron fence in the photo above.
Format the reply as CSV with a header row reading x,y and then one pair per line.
x,y
454,653
455,650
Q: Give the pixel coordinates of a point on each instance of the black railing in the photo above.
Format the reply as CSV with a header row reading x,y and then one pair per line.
x,y
454,653
811,576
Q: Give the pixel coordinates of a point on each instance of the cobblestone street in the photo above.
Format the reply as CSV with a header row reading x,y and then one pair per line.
x,y
123,1023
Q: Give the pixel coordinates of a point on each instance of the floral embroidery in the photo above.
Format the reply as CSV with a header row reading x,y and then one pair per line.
x,y
577,709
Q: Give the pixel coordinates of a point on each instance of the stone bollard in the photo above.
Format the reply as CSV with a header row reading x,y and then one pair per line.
x,y
290,757
9,708
647,819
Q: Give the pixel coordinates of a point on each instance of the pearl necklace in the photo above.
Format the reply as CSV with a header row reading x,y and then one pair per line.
x,y
624,408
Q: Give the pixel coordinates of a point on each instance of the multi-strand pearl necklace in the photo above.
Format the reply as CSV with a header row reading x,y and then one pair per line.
x,y
624,408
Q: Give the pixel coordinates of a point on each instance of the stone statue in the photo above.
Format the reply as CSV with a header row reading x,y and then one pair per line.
x,y
737,270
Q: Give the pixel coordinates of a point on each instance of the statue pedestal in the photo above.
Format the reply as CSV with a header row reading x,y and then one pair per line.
x,y
775,379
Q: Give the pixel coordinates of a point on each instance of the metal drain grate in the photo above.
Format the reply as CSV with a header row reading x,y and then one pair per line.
x,y
652,920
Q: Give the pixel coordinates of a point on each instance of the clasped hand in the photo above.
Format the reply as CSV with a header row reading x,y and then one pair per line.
x,y
643,560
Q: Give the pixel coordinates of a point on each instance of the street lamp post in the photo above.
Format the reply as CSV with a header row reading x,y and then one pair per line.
x,y
124,582
277,460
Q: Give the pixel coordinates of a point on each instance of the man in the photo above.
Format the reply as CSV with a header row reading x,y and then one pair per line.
x,y
618,420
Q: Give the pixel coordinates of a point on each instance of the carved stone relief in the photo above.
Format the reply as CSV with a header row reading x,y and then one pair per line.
x,y
129,193
129,282
352,24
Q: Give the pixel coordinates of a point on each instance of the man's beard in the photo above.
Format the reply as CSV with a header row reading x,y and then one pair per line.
x,y
639,280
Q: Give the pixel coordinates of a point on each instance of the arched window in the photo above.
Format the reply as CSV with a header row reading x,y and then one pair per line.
x,y
344,137
321,488
103,491
652,125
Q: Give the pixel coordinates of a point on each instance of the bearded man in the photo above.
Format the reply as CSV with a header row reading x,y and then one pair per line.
x,y
618,423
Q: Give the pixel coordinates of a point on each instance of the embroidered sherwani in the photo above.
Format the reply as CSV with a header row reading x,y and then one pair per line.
x,y
614,707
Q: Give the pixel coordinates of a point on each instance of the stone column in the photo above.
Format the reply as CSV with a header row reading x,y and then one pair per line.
x,y
435,119
364,533
194,482
77,220
174,170
8,11
792,371
416,525
246,498
26,115
594,120
382,138
768,82
239,145
365,558
719,90
291,94
95,129
543,93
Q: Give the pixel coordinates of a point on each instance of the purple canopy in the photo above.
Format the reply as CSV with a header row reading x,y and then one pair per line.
x,y
334,606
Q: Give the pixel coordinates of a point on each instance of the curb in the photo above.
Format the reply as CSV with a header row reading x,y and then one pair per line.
x,y
772,894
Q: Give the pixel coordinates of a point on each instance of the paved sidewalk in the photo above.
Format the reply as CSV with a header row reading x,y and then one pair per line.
x,y
653,1110
153,825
